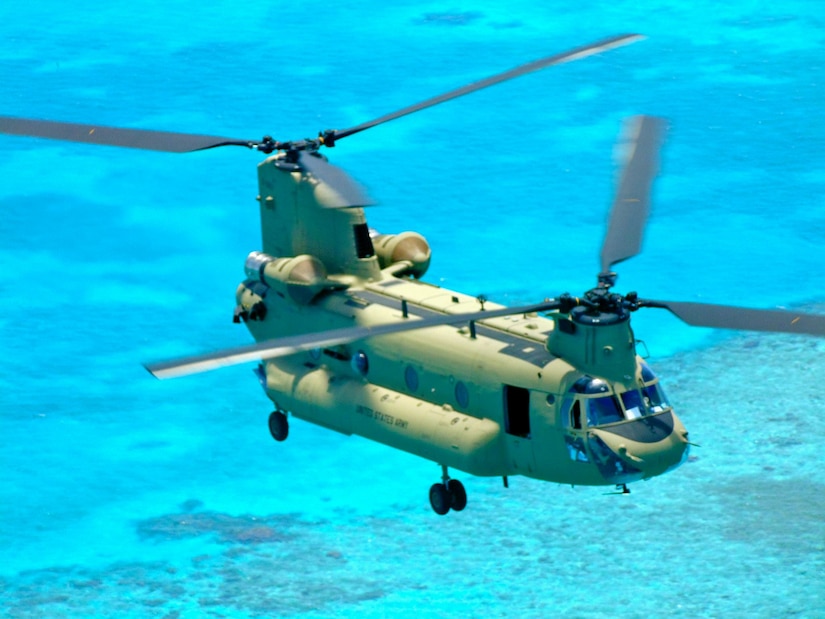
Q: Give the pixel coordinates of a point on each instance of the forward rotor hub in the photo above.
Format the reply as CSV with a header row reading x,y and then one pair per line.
x,y
599,306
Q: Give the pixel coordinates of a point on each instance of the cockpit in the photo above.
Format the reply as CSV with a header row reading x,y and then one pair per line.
x,y
591,400
626,433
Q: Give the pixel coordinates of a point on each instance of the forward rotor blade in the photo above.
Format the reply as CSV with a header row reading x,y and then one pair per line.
x,y
282,347
574,54
746,319
164,141
628,216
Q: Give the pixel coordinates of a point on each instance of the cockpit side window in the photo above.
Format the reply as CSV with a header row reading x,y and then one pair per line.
x,y
599,410
576,415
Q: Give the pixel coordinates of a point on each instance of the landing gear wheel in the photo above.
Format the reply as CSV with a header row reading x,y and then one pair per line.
x,y
278,426
458,495
440,499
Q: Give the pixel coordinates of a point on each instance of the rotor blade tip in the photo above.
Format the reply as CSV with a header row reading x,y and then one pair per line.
x,y
627,39
163,370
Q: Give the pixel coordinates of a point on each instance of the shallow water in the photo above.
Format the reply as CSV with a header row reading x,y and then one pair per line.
x,y
124,496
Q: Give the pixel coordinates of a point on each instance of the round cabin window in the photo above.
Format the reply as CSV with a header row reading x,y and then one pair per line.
x,y
360,363
411,378
462,395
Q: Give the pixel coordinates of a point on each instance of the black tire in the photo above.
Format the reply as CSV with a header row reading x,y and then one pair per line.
x,y
440,499
278,426
458,495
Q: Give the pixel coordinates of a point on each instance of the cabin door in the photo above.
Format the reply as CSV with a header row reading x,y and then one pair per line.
x,y
517,428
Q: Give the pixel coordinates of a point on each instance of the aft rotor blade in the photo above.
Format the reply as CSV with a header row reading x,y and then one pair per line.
x,y
164,141
282,347
628,215
345,191
745,319
574,54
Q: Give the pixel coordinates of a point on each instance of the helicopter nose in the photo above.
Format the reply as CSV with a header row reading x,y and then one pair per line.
x,y
639,449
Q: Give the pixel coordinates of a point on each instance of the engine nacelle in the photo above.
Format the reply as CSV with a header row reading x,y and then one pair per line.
x,y
300,278
395,249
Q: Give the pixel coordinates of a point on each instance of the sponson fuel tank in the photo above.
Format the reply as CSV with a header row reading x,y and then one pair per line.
x,y
351,406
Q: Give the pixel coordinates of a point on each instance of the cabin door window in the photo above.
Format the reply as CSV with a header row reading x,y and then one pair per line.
x,y
517,411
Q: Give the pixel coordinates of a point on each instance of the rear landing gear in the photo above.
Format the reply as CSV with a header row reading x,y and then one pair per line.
x,y
450,494
278,426
440,499
458,495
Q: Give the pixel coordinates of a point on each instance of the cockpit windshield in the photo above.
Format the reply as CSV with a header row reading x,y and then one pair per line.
x,y
603,410
602,405
633,404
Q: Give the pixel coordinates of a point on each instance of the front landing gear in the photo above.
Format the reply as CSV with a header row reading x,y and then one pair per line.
x,y
450,494
278,426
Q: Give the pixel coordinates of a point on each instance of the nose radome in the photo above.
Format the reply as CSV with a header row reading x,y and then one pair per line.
x,y
651,458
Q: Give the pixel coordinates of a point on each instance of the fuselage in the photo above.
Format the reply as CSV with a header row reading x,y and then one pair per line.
x,y
490,401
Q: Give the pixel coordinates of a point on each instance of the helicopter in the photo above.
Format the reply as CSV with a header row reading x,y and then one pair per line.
x,y
350,337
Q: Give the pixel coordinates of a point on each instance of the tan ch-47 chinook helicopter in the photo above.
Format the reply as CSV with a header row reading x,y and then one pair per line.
x,y
349,337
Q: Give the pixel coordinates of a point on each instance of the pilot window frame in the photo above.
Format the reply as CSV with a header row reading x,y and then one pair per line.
x,y
593,402
580,411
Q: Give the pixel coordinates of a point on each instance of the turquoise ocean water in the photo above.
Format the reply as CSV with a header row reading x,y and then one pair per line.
x,y
125,496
